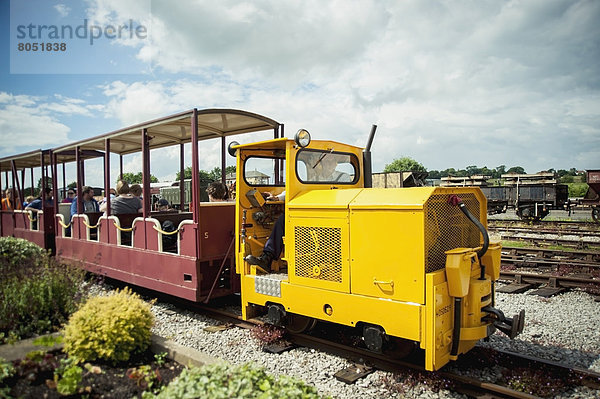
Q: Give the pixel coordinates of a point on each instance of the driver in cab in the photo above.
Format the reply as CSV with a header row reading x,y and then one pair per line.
x,y
323,170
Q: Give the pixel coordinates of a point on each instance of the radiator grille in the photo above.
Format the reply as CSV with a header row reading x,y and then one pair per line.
x,y
446,227
318,253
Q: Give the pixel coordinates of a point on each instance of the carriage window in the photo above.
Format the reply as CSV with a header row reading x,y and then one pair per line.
x,y
261,171
316,166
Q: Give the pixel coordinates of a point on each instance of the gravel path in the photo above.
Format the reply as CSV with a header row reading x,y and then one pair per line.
x,y
562,328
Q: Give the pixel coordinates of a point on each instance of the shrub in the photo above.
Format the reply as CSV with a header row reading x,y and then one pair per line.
x,y
6,369
577,189
17,256
37,294
109,328
225,381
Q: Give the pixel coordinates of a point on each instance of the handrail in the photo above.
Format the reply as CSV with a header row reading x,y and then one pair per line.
x,y
66,226
91,227
168,233
123,229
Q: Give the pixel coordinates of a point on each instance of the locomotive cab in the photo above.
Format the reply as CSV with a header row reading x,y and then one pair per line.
x,y
408,267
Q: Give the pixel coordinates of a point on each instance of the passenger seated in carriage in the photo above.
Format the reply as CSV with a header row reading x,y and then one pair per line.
x,y
217,192
125,202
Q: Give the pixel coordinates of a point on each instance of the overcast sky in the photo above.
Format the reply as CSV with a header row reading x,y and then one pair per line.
x,y
449,83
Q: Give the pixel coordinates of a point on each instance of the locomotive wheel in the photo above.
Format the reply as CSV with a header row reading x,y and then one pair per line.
x,y
596,214
527,214
297,324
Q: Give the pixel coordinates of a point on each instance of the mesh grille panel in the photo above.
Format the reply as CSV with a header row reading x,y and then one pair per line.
x,y
446,227
318,253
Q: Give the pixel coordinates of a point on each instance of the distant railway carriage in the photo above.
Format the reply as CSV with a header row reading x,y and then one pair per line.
x,y
592,196
532,196
173,193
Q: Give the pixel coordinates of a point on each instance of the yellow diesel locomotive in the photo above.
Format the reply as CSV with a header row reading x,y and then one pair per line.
x,y
408,267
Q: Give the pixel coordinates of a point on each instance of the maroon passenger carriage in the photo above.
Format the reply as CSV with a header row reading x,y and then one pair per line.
x,y
129,247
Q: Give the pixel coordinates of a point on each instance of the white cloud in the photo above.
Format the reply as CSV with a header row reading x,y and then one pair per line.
x,y
62,9
35,122
21,126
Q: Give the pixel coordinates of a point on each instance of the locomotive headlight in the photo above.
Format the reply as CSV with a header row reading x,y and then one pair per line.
x,y
302,138
230,148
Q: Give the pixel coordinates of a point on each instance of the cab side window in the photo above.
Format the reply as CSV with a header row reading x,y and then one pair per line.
x,y
318,166
264,171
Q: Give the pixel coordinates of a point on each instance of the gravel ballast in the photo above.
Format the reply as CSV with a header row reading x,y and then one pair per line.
x,y
563,328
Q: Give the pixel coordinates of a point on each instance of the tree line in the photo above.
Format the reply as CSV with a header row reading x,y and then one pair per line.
x,y
409,164
213,175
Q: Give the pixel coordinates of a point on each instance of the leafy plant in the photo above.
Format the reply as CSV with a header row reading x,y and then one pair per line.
x,y
68,376
267,334
146,377
402,383
6,369
160,358
35,364
110,328
546,383
16,253
225,381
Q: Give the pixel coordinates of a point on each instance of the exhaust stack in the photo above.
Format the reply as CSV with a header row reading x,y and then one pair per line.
x,y
367,165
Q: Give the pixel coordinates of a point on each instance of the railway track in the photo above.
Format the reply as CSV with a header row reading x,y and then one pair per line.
x,y
555,270
547,241
548,284
589,256
536,230
460,377
572,234
366,361
554,224
556,266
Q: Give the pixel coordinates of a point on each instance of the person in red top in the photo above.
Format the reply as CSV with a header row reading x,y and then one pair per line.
x,y
70,197
7,203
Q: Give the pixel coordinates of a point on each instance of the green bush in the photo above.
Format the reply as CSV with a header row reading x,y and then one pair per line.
x,y
577,189
37,294
109,328
18,256
7,370
225,381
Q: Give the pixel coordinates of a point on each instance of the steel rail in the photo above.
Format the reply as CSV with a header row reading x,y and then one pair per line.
x,y
558,223
558,232
589,256
562,281
536,261
580,244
